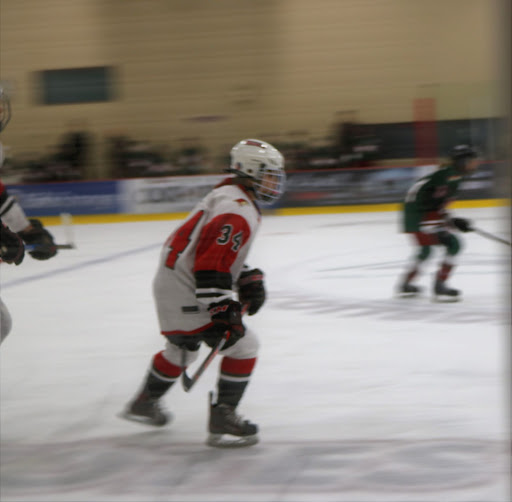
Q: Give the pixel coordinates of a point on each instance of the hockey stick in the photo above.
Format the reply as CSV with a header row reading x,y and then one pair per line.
x,y
491,236
189,381
33,247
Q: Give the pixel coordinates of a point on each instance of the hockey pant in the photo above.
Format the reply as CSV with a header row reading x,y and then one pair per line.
x,y
425,241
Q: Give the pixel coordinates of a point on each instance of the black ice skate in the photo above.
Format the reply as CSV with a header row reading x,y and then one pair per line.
x,y
408,290
445,294
227,429
146,411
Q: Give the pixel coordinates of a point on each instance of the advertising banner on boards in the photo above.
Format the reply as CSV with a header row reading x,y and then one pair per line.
x,y
81,197
176,194
164,195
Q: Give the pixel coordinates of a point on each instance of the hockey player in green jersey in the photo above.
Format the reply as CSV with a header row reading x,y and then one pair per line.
x,y
425,217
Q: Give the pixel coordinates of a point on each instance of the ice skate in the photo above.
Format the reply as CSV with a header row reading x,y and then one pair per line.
x,y
408,290
443,293
229,430
146,411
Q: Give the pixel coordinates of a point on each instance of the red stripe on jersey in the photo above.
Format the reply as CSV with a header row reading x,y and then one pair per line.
x,y
433,216
239,367
220,241
193,332
3,193
165,367
180,239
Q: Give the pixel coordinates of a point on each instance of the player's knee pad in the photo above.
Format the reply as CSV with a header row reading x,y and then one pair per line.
x,y
174,354
424,253
450,242
245,348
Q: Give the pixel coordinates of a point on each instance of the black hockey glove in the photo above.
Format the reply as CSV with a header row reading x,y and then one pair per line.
x,y
462,224
251,290
12,249
227,321
41,239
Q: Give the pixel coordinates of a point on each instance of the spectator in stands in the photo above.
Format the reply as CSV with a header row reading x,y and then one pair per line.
x,y
355,144
346,132
191,157
73,151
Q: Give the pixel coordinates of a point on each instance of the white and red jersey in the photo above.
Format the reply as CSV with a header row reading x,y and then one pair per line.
x,y
11,213
201,261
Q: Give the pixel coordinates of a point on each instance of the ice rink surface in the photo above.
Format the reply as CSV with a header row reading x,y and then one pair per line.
x,y
360,396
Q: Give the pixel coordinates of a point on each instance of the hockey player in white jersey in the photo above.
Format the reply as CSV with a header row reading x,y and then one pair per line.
x,y
202,288
16,229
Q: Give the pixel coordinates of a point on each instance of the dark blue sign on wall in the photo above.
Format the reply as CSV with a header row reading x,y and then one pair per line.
x,y
51,199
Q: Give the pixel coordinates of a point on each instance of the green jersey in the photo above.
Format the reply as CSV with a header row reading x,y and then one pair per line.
x,y
429,196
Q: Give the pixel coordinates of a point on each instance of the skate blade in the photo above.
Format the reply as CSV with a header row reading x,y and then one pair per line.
x,y
446,299
126,415
408,295
228,441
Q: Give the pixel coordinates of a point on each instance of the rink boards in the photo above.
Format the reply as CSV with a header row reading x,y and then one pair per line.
x,y
290,211
320,191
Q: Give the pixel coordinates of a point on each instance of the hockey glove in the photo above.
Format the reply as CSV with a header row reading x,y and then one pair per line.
x,y
12,249
41,239
462,224
226,317
251,290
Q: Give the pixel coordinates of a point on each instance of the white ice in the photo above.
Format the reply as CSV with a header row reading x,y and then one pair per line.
x,y
359,395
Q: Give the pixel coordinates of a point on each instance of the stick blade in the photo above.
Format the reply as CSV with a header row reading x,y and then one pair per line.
x,y
186,381
228,441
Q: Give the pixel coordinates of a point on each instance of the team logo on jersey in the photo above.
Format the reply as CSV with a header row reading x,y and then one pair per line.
x,y
242,202
455,177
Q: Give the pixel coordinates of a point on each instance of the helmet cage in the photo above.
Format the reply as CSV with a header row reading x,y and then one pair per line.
x,y
269,183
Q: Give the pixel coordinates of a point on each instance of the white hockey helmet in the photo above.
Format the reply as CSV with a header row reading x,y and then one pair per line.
x,y
5,109
261,162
